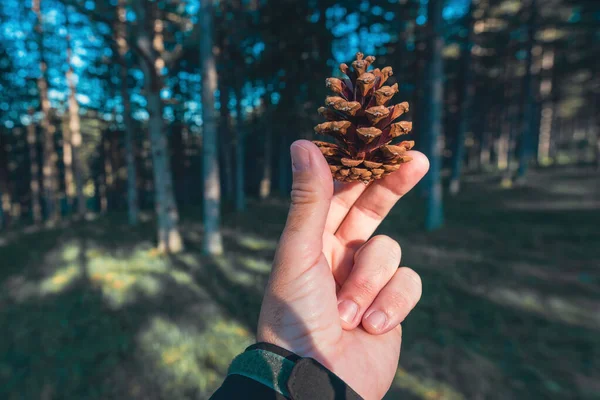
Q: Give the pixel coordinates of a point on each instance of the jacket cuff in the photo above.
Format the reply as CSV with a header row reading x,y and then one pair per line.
x,y
290,375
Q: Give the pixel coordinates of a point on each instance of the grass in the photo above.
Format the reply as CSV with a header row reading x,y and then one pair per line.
x,y
510,304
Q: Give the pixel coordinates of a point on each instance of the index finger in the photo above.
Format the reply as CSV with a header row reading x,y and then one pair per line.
x,y
377,200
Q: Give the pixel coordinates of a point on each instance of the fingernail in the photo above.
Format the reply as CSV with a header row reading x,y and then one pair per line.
x,y
348,310
377,319
300,158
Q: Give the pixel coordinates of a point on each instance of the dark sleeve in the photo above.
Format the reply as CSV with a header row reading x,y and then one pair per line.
x,y
266,371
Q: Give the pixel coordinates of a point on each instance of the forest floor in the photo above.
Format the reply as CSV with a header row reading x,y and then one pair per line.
x,y
510,307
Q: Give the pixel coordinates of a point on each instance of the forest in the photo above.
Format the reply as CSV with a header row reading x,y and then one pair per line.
x,y
145,175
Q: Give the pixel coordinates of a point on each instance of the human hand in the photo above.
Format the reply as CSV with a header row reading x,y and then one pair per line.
x,y
336,294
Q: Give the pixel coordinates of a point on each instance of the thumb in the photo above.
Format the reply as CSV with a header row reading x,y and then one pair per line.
x,y
301,243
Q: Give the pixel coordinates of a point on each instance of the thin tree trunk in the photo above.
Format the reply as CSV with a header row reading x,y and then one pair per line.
x,y
213,243
420,73
468,89
284,167
50,158
434,127
547,115
266,182
123,49
528,98
106,187
150,38
2,222
169,239
75,132
68,163
34,184
5,198
504,139
225,142
485,151
240,159
596,124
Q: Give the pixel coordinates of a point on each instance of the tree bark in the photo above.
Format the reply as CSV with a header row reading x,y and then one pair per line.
x,y
169,239
465,105
434,96
75,133
528,122
34,185
150,39
123,49
50,157
213,243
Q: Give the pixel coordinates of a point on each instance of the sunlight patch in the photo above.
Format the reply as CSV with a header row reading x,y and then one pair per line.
x,y
256,243
184,359
60,280
569,310
259,265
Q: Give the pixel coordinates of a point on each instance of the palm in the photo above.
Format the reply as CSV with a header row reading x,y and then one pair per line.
x,y
312,273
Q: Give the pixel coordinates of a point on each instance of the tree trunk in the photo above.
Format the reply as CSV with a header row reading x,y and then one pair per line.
x,y
547,114
123,49
420,115
283,166
106,186
150,39
213,243
50,158
225,142
34,185
5,201
75,134
169,239
266,182
504,139
434,97
485,151
528,122
468,89
240,159
68,163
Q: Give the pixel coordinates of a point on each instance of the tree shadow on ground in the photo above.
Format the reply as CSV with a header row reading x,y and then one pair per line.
x,y
90,310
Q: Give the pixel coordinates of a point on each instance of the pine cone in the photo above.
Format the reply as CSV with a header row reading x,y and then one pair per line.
x,y
359,120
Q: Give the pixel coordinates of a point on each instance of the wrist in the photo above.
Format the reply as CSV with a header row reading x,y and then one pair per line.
x,y
289,374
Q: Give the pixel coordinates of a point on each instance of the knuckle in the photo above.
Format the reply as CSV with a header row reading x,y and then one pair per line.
x,y
364,287
390,246
401,300
303,192
414,280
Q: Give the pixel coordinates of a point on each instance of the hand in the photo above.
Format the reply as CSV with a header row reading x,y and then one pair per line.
x,y
335,294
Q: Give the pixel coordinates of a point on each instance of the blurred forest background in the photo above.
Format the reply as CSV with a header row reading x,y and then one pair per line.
x,y
144,177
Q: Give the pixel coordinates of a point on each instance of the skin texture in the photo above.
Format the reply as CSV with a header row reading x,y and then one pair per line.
x,y
336,293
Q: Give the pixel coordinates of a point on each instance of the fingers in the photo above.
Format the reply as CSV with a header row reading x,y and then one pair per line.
x,y
374,265
394,302
378,199
301,243
343,199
